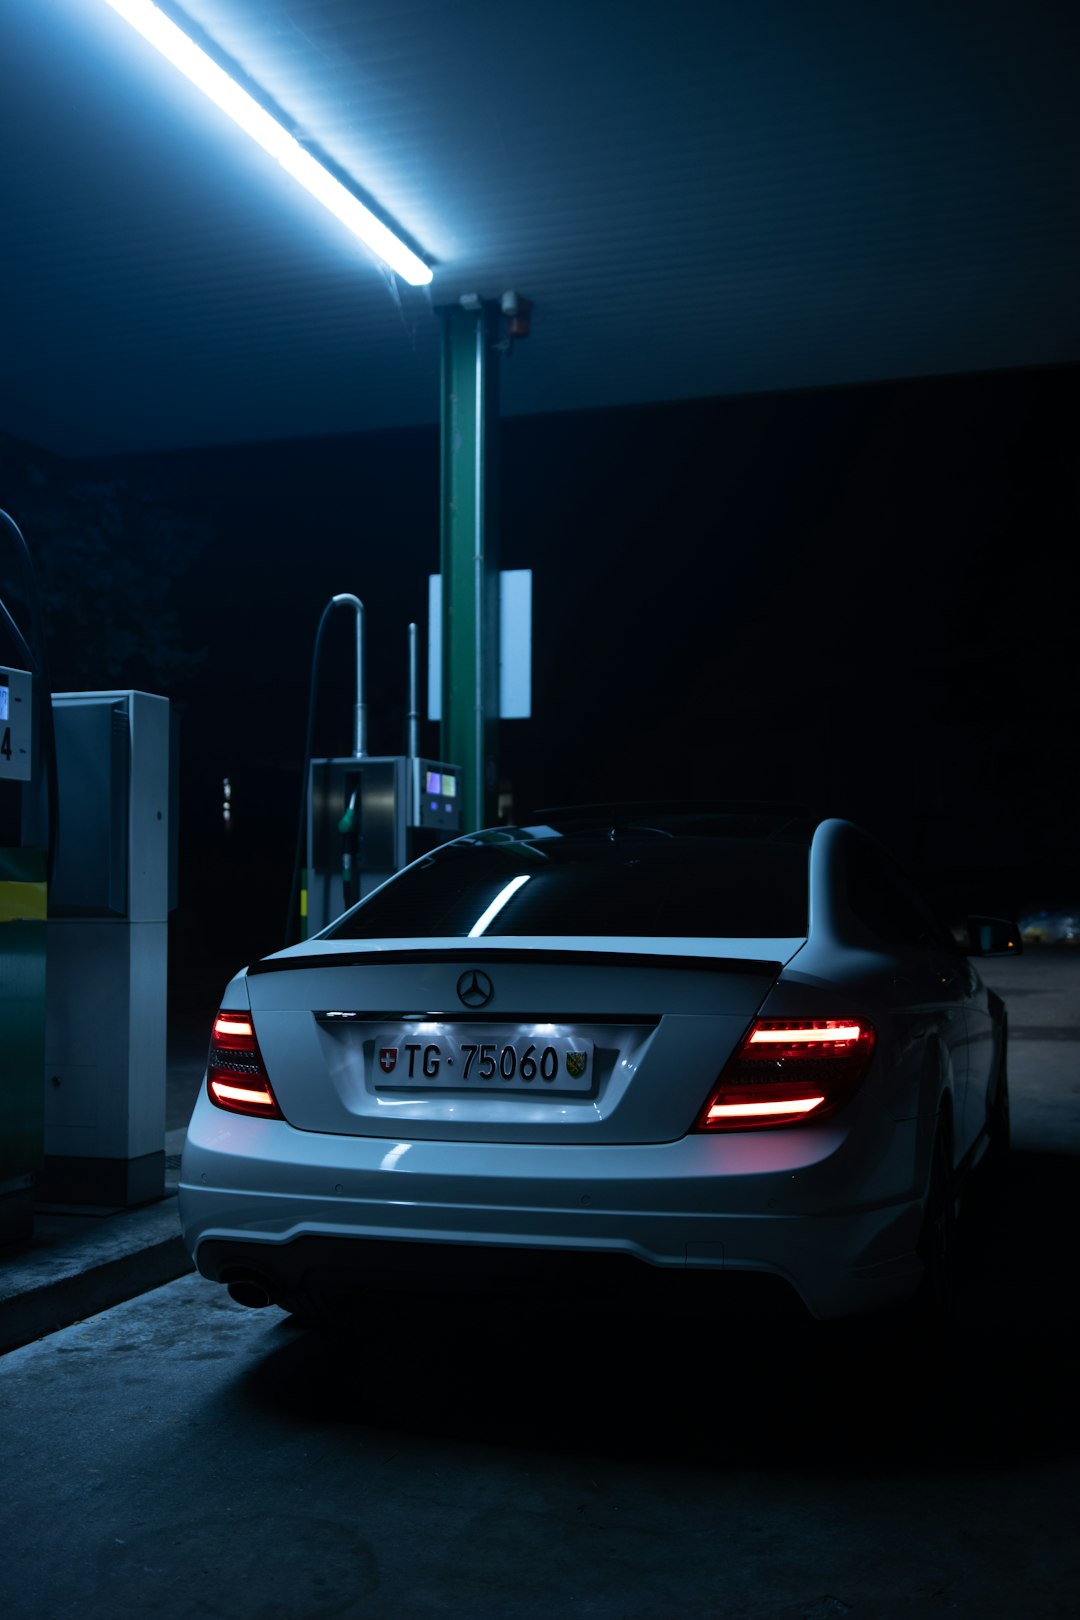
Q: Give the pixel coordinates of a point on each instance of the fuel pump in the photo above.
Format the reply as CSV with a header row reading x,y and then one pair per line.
x,y
22,965
109,903
364,816
27,824
87,877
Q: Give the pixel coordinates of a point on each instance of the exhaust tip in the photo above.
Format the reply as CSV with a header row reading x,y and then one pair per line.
x,y
251,1292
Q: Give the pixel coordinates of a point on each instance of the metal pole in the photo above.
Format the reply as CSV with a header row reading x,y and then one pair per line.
x,y
469,553
412,745
359,708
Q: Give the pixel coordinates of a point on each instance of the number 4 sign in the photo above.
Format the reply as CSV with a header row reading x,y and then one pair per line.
x,y
15,717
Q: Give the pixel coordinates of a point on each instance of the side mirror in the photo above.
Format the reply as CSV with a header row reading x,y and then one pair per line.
x,y
993,936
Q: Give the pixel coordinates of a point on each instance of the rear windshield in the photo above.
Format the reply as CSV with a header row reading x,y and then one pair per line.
x,y
582,881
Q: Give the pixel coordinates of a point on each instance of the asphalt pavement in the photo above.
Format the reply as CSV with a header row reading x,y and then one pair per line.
x,y
175,1455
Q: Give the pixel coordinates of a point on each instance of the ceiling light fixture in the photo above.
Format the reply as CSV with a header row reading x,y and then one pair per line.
x,y
255,121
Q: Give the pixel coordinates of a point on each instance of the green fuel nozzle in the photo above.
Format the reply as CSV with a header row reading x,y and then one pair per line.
x,y
347,824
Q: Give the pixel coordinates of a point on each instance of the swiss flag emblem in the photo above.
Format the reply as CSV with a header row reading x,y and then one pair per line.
x,y
387,1058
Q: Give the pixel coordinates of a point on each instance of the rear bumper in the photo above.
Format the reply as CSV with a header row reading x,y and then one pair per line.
x,y
260,1198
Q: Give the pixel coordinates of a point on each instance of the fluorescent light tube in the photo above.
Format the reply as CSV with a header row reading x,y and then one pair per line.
x,y
214,82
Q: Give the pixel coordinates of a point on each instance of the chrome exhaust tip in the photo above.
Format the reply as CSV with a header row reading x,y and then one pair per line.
x,y
251,1292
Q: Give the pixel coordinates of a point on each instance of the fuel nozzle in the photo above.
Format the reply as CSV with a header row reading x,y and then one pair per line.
x,y
348,829
347,824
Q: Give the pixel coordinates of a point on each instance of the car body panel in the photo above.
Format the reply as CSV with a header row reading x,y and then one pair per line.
x,y
746,1202
662,1025
358,1169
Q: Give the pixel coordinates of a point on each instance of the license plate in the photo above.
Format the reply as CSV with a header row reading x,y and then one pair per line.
x,y
482,1060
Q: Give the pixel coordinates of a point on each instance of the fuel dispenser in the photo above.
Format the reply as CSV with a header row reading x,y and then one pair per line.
x,y
366,816
23,890
87,879
113,886
27,812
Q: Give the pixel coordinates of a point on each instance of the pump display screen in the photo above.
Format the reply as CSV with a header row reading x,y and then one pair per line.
x,y
445,785
5,693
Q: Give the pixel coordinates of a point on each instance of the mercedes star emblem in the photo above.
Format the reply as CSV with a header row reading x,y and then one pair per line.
x,y
475,989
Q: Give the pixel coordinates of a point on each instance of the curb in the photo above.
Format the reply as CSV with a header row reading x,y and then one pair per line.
x,y
33,1315
69,1272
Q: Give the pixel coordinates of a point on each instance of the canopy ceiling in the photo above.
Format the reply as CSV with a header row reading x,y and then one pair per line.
x,y
699,198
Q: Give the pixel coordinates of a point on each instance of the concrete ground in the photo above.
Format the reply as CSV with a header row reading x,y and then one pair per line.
x,y
176,1455
82,1260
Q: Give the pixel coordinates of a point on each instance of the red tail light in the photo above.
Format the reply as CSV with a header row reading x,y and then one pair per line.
x,y
787,1070
235,1077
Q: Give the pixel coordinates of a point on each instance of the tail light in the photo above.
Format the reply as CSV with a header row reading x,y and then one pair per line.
x,y
786,1070
235,1077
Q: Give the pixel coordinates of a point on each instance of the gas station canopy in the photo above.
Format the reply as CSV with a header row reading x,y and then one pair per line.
x,y
699,198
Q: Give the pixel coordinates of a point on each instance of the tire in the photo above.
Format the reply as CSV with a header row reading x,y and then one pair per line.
x,y
986,1198
1000,1128
935,1302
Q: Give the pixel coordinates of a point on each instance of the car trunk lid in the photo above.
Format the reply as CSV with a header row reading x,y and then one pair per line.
x,y
513,1041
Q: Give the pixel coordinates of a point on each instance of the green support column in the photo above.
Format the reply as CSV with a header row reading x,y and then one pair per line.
x,y
469,559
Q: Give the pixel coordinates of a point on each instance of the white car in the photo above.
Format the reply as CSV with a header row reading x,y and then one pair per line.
x,y
716,1041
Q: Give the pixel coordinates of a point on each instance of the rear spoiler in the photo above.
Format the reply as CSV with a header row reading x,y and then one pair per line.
x,y
560,958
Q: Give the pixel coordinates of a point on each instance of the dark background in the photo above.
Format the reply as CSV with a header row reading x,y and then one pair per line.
x,y
862,597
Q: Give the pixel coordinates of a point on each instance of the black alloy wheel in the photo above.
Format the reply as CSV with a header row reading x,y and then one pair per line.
x,y
1000,1129
936,1299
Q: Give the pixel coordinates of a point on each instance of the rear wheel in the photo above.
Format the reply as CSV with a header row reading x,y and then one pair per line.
x,y
935,1300
986,1196
1000,1129
919,1322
